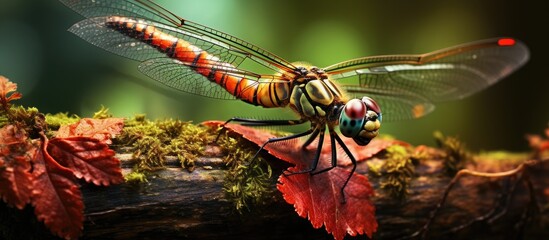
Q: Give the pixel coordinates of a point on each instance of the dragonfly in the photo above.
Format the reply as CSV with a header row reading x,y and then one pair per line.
x,y
345,98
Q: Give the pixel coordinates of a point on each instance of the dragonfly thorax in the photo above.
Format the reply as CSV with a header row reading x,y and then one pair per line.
x,y
315,97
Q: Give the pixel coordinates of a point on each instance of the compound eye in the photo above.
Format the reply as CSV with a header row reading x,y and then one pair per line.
x,y
355,109
371,104
351,118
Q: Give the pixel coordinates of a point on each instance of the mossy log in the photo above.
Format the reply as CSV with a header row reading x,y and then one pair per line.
x,y
178,204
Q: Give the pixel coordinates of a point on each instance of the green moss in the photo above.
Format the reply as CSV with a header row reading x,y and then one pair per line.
x,y
22,115
3,120
152,141
102,113
399,171
512,157
456,154
136,177
375,167
395,172
55,121
247,181
137,119
150,153
29,119
188,142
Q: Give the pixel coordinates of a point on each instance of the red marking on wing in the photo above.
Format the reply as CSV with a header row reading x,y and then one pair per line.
x,y
506,42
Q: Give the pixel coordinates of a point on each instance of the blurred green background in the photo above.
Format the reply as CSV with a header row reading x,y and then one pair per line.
x,y
58,72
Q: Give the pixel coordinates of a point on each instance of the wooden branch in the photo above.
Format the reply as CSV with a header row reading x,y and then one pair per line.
x,y
177,204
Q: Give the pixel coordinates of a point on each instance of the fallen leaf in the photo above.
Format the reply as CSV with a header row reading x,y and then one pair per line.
x,y
544,146
318,197
29,174
102,129
10,134
6,87
534,140
56,197
287,150
88,158
15,167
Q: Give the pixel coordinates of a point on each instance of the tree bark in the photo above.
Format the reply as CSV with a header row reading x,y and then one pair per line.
x,y
177,204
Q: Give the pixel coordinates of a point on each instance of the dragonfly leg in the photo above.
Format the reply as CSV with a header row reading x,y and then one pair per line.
x,y
353,160
334,154
317,153
272,140
257,122
311,139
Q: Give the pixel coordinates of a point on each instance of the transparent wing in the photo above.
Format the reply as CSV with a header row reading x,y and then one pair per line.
x,y
407,86
228,48
395,106
229,51
181,76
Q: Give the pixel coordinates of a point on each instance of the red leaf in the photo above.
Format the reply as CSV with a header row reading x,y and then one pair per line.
x,y
56,198
288,150
544,146
10,134
15,176
88,158
5,88
534,140
318,197
102,129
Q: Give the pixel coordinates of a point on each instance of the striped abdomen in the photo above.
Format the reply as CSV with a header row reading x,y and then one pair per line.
x,y
265,93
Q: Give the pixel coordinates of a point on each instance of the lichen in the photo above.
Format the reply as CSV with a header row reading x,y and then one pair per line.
x,y
247,181
395,171
456,154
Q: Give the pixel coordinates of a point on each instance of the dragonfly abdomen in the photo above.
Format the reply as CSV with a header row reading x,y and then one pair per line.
x,y
266,93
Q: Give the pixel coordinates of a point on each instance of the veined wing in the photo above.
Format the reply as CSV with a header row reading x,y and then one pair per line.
x,y
407,86
150,11
183,77
225,52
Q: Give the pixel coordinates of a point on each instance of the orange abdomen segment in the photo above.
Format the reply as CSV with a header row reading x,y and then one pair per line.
x,y
265,93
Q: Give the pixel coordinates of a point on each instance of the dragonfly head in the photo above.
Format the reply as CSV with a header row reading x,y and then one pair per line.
x,y
360,119
302,71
